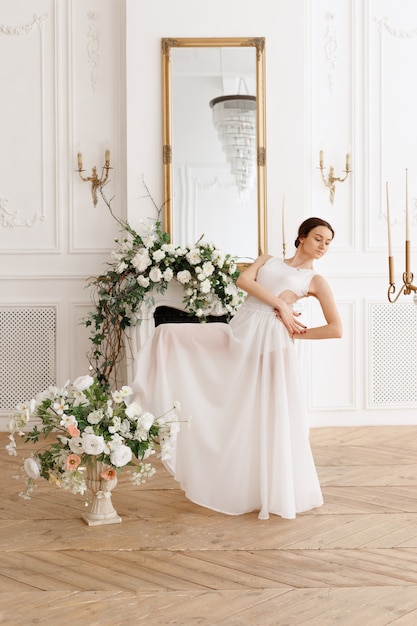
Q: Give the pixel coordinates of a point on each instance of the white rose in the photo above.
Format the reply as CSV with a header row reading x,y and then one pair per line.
x,y
168,274
93,444
143,281
143,425
208,268
168,247
82,382
218,258
155,275
193,256
141,260
146,420
158,255
121,456
184,277
133,410
95,416
32,468
205,286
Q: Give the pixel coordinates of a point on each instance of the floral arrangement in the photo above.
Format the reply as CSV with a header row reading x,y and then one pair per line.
x,y
142,263
89,424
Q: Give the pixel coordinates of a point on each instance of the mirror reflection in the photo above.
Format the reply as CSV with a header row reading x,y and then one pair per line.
x,y
214,155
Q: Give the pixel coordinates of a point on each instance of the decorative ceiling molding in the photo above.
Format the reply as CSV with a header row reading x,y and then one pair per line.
x,y
23,30
330,49
93,46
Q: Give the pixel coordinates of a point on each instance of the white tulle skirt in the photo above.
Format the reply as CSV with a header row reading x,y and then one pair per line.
x,y
247,448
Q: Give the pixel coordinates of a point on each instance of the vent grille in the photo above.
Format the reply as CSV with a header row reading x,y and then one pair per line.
x,y
393,370
28,353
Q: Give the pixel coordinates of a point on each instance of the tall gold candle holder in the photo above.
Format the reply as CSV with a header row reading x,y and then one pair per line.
x,y
96,182
407,286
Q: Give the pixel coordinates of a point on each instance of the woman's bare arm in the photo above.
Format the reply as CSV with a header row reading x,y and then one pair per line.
x,y
319,288
247,282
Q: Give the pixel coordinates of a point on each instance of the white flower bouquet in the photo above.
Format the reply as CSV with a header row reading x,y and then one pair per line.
x,y
148,262
87,424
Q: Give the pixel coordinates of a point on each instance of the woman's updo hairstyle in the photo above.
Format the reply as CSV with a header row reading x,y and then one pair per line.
x,y
309,224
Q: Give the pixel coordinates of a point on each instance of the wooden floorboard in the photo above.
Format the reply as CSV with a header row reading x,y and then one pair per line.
x,y
351,562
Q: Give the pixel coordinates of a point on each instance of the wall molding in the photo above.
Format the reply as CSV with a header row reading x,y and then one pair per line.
x,y
330,49
26,29
14,218
93,46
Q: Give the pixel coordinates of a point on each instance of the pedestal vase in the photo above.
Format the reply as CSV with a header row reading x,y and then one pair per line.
x,y
100,508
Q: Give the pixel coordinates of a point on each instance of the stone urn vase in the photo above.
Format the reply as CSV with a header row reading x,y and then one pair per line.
x,y
100,508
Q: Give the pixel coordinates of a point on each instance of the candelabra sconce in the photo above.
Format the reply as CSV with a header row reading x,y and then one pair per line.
x,y
407,286
331,180
96,182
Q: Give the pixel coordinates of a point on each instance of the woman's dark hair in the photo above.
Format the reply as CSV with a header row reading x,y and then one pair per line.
x,y
309,224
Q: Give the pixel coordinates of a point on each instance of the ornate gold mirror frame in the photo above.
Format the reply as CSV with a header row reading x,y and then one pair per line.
x,y
259,44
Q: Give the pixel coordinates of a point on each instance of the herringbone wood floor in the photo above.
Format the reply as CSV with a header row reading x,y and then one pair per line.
x,y
351,562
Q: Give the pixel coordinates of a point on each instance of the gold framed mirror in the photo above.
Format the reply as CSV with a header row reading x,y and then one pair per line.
x,y
205,193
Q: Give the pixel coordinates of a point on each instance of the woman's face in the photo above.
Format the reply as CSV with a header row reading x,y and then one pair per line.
x,y
317,241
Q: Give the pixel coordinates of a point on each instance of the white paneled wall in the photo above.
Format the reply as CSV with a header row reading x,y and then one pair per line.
x,y
81,75
62,78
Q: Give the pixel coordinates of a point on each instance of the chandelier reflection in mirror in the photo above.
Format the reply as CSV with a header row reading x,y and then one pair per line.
x,y
234,118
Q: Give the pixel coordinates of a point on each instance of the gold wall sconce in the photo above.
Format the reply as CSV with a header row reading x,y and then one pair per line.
x,y
96,182
331,180
407,286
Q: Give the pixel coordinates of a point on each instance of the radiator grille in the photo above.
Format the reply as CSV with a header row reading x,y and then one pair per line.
x,y
28,353
393,368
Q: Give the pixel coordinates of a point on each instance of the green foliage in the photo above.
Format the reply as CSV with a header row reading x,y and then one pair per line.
x,y
142,265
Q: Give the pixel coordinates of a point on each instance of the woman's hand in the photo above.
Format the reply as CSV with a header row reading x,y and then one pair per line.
x,y
288,317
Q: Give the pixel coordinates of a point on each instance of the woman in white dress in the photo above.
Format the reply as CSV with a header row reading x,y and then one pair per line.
x,y
247,448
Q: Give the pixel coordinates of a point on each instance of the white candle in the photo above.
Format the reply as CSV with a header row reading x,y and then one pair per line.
x,y
407,224
283,221
390,257
80,161
407,231
389,226
321,158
